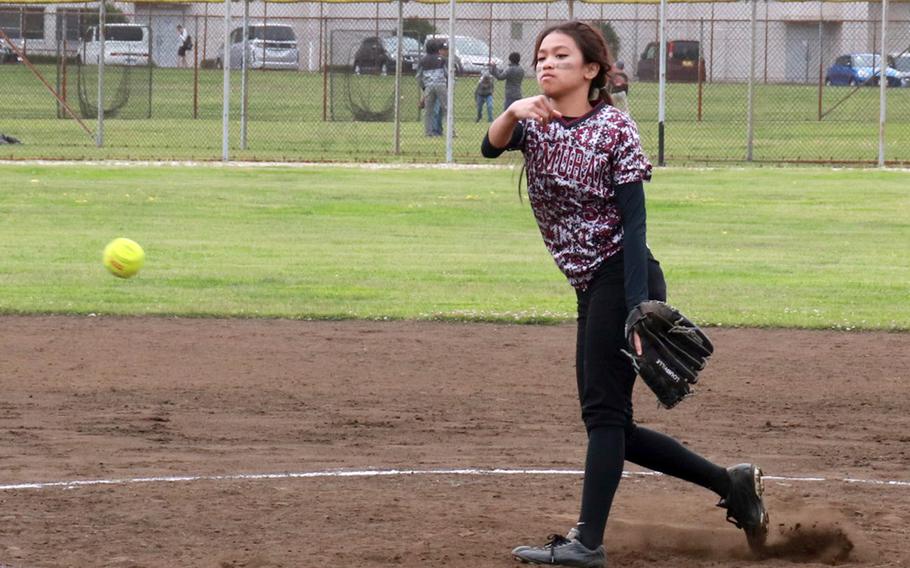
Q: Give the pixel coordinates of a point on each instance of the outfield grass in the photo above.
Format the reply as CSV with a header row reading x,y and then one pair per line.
x,y
286,120
807,247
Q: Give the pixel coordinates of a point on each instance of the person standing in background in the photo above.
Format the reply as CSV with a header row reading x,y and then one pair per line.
x,y
619,86
431,77
186,44
483,94
513,75
442,103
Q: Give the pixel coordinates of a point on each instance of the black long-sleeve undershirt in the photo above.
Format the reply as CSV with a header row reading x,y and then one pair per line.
x,y
490,151
630,198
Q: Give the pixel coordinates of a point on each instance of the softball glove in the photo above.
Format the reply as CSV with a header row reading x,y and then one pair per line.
x,y
674,350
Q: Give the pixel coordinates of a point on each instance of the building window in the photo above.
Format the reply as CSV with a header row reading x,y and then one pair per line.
x,y
73,20
11,22
517,30
34,23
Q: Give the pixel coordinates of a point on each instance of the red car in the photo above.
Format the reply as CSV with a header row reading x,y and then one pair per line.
x,y
684,62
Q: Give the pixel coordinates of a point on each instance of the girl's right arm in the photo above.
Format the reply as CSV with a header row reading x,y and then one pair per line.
x,y
501,129
537,108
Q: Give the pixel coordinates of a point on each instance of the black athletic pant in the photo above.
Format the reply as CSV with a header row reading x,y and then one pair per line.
x,y
605,379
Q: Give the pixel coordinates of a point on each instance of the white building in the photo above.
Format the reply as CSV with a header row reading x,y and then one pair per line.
x,y
794,39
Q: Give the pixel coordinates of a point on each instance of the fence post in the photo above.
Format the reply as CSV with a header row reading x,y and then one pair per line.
x,y
64,62
711,51
149,61
205,31
450,91
490,37
196,67
699,62
324,58
99,136
226,90
245,71
750,128
399,31
661,80
60,60
821,80
765,79
882,85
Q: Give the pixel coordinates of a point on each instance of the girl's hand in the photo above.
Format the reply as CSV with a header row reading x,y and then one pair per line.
x,y
637,341
539,108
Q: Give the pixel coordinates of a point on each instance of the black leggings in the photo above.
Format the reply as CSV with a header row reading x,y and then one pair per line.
x,y
605,379
604,374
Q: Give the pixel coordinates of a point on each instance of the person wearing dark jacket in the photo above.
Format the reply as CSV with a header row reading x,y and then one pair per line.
x,y
433,82
483,94
513,75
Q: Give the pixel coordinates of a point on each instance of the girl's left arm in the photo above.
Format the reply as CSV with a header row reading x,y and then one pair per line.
x,y
630,198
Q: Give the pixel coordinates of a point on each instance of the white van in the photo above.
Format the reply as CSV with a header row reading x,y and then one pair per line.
x,y
124,44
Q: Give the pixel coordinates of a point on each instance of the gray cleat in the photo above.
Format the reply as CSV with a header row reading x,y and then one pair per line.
x,y
744,504
562,551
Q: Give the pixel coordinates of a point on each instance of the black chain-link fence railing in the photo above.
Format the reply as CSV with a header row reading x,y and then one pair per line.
x,y
320,79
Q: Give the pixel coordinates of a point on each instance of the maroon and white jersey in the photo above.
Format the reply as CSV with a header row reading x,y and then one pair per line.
x,y
573,168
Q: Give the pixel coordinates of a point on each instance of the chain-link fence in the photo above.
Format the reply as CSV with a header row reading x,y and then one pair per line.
x,y
769,81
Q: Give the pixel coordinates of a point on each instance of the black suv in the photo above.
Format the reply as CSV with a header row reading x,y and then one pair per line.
x,y
372,57
377,55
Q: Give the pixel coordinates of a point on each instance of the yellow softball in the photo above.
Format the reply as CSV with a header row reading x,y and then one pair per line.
x,y
123,257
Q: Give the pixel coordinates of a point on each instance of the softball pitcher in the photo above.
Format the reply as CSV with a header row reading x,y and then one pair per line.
x,y
585,169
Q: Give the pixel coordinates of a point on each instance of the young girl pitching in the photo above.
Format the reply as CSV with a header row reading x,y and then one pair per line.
x,y
585,169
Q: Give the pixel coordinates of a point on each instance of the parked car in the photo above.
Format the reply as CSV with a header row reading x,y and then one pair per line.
x,y
860,69
684,62
124,44
411,51
377,55
271,46
472,55
900,62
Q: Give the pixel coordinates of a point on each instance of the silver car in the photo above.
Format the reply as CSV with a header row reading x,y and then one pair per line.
x,y
270,46
472,55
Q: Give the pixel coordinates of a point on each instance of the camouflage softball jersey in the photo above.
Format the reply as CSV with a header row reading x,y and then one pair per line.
x,y
573,168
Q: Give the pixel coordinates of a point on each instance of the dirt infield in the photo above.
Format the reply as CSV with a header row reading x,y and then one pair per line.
x,y
101,399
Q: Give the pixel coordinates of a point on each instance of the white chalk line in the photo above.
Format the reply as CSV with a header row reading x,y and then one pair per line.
x,y
73,484
379,165
272,164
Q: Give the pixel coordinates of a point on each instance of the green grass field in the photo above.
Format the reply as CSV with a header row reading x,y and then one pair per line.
x,y
807,247
286,112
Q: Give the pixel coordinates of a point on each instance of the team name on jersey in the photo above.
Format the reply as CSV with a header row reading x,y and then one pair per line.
x,y
571,163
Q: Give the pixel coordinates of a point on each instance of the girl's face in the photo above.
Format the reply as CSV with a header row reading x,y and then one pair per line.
x,y
561,68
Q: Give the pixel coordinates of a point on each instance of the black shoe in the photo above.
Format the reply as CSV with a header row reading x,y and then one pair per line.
x,y
744,504
562,551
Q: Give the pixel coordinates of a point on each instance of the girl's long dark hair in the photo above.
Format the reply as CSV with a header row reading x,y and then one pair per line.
x,y
593,50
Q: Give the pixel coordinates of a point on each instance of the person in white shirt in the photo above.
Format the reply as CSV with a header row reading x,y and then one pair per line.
x,y
186,44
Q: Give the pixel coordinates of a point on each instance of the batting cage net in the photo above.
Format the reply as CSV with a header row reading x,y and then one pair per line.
x,y
760,81
361,73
